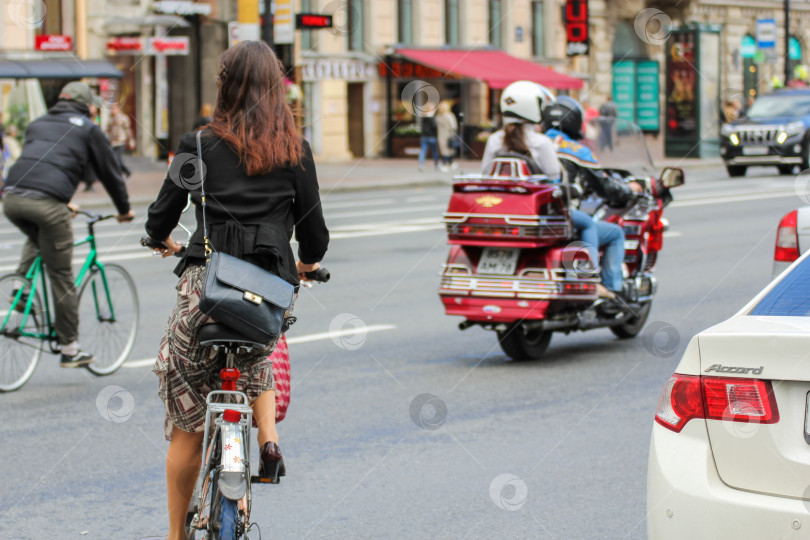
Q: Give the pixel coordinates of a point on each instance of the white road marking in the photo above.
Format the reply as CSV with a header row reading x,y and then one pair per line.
x,y
353,204
741,198
386,211
293,340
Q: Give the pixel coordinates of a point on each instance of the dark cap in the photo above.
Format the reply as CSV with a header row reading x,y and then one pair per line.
x,y
80,93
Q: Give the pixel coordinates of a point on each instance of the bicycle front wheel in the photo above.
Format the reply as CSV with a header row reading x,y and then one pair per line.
x,y
20,349
108,318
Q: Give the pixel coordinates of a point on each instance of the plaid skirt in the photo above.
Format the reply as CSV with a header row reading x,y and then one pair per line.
x,y
188,372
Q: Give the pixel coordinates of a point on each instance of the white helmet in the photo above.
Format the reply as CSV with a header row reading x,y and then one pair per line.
x,y
523,101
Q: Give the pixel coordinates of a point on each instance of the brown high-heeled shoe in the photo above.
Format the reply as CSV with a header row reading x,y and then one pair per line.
x,y
271,466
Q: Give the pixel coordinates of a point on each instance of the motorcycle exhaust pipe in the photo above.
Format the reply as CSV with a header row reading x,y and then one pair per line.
x,y
465,324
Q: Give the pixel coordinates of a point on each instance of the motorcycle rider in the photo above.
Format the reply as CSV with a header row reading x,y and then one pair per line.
x,y
522,104
562,122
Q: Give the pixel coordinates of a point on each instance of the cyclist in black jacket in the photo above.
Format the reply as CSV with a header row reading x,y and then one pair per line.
x,y
59,146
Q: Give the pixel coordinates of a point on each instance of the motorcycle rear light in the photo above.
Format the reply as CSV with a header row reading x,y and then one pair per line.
x,y
230,415
686,397
579,288
787,240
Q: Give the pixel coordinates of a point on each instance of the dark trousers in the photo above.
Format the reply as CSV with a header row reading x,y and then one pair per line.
x,y
119,153
46,223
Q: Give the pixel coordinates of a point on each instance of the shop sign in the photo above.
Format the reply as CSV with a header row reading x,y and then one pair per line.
x,y
283,22
125,45
624,89
53,42
181,7
576,27
309,21
681,91
346,70
403,69
647,109
766,33
170,45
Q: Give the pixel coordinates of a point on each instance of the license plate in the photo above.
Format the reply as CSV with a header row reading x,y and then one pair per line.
x,y
498,261
755,150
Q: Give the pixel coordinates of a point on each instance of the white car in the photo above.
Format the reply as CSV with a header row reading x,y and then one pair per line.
x,y
792,238
730,449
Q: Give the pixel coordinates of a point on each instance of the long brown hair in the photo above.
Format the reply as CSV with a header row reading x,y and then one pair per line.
x,y
514,139
251,113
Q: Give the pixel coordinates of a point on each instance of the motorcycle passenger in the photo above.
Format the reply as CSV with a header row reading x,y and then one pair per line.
x,y
522,104
562,122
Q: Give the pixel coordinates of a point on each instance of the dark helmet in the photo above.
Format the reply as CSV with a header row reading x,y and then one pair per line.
x,y
566,115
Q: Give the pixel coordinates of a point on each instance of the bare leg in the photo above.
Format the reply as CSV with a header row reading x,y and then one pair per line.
x,y
182,467
264,411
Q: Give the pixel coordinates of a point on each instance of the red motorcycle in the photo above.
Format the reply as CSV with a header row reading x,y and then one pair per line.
x,y
515,265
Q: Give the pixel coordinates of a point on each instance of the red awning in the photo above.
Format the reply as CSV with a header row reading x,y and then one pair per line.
x,y
496,68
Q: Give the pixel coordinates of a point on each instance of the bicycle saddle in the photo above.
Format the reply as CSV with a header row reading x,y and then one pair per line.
x,y
219,334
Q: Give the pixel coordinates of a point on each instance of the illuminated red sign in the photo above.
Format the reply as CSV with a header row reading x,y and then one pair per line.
x,y
312,20
125,44
169,45
576,27
53,42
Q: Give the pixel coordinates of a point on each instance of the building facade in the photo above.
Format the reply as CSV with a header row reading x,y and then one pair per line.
x,y
349,102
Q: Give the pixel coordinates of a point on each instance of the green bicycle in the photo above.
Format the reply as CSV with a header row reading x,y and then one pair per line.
x,y
108,315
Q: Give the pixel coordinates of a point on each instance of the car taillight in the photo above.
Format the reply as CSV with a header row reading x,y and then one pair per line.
x,y
787,241
715,398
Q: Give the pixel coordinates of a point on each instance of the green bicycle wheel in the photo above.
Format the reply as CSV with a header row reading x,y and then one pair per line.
x,y
19,354
108,318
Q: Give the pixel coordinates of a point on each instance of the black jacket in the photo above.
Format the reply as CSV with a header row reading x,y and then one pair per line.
x,y
428,126
250,217
594,180
59,146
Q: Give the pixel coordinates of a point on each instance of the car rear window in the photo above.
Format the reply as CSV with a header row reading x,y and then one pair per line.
x,y
790,297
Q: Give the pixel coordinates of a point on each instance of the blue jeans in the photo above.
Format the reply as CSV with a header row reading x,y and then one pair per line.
x,y
425,143
596,234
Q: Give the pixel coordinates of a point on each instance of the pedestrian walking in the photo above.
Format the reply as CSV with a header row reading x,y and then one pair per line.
x,y
607,122
428,140
446,135
119,131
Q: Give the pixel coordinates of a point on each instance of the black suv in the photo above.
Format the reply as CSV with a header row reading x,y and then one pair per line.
x,y
774,131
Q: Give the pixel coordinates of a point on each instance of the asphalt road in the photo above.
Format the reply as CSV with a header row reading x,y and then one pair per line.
x,y
411,429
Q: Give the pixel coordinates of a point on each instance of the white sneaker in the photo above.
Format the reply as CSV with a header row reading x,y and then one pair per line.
x,y
444,168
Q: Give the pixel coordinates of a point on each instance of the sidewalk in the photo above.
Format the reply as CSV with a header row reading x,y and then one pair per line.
x,y
357,175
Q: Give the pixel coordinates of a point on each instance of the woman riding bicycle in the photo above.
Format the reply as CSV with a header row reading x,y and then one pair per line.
x,y
260,183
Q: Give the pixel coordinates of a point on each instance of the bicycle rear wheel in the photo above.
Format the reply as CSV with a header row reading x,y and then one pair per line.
x,y
19,354
108,318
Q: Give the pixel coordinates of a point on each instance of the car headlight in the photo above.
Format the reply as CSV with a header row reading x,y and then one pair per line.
x,y
728,129
794,128
734,139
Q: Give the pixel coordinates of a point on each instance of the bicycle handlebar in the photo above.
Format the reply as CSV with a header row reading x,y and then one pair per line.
x,y
321,275
151,243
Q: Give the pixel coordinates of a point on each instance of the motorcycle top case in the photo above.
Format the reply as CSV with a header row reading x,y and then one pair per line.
x,y
507,213
245,297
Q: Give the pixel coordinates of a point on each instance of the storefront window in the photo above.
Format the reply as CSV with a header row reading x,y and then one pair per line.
x,y
495,18
451,20
538,35
355,25
405,21
52,12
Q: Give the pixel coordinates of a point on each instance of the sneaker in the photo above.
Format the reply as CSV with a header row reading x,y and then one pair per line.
x,y
80,359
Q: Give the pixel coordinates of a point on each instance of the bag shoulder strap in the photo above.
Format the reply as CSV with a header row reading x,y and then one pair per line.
x,y
208,249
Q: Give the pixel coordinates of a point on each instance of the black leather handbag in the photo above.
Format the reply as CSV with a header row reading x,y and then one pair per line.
x,y
239,294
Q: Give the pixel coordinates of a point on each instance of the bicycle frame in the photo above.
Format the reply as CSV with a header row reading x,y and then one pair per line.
x,y
36,276
232,440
